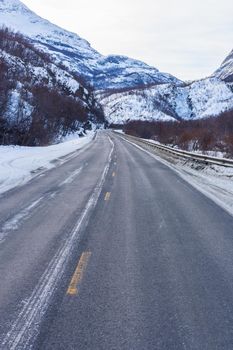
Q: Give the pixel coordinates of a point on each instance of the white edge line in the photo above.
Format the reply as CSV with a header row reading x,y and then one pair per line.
x,y
25,327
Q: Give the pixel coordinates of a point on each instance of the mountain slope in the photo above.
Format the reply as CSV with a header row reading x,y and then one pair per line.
x,y
225,71
127,89
201,99
39,99
102,72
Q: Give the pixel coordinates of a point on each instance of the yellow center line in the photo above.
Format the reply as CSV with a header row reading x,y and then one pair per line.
x,y
78,274
107,196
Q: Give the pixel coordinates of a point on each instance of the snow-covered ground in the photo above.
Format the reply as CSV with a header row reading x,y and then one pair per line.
x,y
201,99
19,164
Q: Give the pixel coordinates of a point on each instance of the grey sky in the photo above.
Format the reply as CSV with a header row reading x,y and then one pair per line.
x,y
187,38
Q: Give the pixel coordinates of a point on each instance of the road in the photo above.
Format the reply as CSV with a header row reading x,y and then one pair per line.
x,y
113,250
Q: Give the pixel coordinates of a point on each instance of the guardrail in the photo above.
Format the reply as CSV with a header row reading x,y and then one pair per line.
x,y
190,155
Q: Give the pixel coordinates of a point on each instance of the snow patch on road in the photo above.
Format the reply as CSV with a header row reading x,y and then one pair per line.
x,y
13,223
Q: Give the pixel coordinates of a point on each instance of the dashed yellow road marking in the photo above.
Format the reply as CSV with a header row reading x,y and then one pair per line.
x,y
107,196
113,174
78,274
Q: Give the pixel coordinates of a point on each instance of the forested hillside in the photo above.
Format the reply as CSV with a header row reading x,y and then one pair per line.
x,y
40,100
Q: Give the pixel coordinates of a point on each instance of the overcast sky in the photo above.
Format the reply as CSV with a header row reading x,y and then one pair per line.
x,y
187,38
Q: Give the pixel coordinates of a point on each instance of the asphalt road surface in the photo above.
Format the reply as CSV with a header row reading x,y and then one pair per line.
x,y
113,250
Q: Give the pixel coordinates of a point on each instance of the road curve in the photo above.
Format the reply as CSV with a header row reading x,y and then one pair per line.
x,y
113,250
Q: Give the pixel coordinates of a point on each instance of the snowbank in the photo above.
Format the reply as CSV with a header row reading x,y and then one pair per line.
x,y
18,164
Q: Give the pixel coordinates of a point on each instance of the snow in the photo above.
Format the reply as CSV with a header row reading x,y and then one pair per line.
x,y
77,54
213,181
49,72
25,76
19,164
167,98
12,106
65,78
201,99
13,223
225,71
210,97
216,154
18,16
122,107
30,316
119,131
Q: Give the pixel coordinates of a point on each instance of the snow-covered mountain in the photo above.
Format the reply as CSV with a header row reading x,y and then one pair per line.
x,y
201,99
102,72
39,99
207,97
127,89
225,71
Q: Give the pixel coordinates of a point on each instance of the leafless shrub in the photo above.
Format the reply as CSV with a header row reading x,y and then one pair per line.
x,y
211,134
